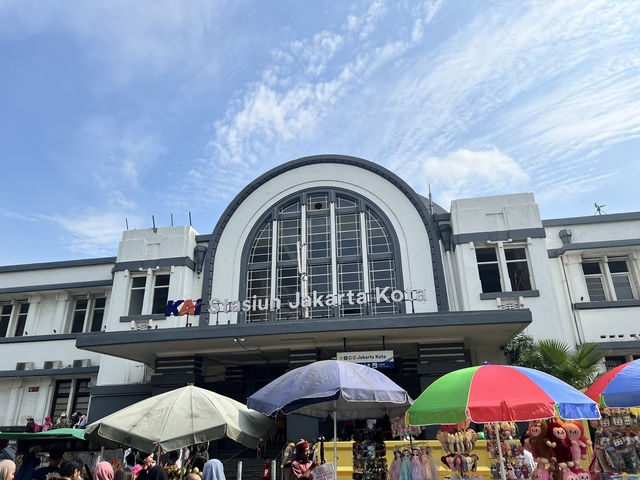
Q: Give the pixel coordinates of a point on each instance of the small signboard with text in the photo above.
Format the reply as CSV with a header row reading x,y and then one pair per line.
x,y
324,472
375,359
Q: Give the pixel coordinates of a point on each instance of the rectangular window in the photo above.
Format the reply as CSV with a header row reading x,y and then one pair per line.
x,y
518,268
318,237
79,315
81,396
350,278
21,321
258,284
5,316
98,314
348,232
60,400
488,269
160,294
137,295
381,275
320,282
287,287
608,279
288,238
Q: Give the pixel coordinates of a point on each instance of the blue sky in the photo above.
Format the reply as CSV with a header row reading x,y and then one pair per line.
x,y
117,109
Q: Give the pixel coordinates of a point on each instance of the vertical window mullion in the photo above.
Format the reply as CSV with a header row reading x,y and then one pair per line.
x,y
274,259
334,250
505,281
148,290
365,256
606,273
303,280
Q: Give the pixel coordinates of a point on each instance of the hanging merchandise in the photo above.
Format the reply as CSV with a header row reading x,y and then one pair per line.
x,y
369,455
616,445
458,445
511,451
413,461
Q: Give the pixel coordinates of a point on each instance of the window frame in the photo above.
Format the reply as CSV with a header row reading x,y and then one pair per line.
x,y
89,312
148,290
72,396
606,277
503,264
357,205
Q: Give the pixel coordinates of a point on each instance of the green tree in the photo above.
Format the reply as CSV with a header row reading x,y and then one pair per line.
x,y
577,367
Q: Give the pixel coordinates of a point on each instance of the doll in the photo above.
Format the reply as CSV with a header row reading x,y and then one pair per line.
x,y
582,474
540,444
417,472
573,435
569,475
540,473
562,450
394,468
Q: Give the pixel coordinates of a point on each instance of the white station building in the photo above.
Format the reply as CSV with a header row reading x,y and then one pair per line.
x,y
319,258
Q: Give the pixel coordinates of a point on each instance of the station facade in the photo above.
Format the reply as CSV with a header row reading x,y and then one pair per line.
x,y
322,257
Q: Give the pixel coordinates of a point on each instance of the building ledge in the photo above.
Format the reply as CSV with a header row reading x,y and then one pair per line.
x,y
39,338
52,372
617,304
522,293
142,318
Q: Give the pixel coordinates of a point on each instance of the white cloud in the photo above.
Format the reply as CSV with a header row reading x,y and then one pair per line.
x,y
463,171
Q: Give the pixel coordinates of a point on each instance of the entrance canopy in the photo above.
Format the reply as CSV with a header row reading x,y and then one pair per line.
x,y
260,343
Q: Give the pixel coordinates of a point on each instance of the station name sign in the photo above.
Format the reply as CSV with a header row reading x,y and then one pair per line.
x,y
255,304
374,359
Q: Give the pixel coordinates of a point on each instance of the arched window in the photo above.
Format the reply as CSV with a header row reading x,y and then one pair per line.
x,y
314,244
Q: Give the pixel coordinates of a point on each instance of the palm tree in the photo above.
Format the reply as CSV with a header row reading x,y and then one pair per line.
x,y
577,367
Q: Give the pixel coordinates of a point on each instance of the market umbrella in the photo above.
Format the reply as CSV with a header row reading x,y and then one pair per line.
x,y
344,390
617,388
499,393
182,417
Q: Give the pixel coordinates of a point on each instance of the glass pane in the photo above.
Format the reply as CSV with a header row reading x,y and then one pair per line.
x,y
22,320
350,278
160,297
81,304
486,255
489,277
622,287
96,321
318,202
382,274
377,238
320,282
293,207
135,303
318,237
258,285
261,248
78,321
6,309
138,282
288,238
348,234
24,308
591,268
4,325
595,289
60,397
162,280
515,254
618,266
287,287
345,202
519,276
100,302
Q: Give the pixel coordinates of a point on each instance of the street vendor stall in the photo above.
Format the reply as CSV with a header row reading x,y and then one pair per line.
x,y
616,444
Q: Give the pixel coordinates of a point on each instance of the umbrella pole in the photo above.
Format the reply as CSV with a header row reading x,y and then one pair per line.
x,y
335,441
503,473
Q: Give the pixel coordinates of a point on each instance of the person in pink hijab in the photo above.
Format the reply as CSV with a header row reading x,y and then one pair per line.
x,y
103,471
47,424
7,470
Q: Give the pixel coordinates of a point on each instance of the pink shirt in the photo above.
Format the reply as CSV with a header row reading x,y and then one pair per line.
x,y
298,469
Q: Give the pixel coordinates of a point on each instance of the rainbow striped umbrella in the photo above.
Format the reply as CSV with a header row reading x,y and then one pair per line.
x,y
618,388
499,393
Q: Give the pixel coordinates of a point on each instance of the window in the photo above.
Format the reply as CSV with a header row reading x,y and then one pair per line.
x,y
503,268
5,316
160,293
72,393
88,314
323,241
138,285
608,279
21,320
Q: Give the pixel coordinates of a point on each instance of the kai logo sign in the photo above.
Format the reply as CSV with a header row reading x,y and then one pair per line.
x,y
315,299
183,307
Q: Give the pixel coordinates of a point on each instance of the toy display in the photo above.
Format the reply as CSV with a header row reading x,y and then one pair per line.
x,y
369,455
616,444
458,443
512,452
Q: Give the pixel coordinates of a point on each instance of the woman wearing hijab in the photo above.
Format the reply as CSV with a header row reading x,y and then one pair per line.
x,y
48,424
103,471
153,473
213,470
7,470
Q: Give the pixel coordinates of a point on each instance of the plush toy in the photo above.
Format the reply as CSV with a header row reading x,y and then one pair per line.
x,y
584,442
540,444
573,435
569,475
540,474
582,474
562,450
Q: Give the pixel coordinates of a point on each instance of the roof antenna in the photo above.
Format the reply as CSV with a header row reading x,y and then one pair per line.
x,y
172,219
190,220
153,219
430,201
126,222
599,209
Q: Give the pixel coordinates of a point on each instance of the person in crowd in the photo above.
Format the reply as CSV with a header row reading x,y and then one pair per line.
x,y
7,452
62,421
55,457
198,462
30,462
70,469
32,426
213,470
7,470
302,466
147,462
155,472
103,471
135,470
82,423
266,470
193,476
48,424
126,474
74,419
527,457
